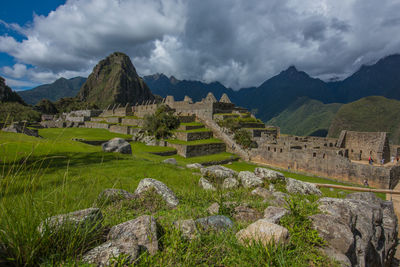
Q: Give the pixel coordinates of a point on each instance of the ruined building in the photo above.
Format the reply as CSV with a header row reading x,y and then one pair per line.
x,y
345,158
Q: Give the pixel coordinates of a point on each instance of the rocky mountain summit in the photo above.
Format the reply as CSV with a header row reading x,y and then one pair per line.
x,y
114,81
7,95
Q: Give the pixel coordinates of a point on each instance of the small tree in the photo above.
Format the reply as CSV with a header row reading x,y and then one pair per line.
x,y
161,123
243,138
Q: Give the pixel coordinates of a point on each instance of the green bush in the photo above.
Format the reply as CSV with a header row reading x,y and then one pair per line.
x,y
13,111
161,123
243,138
46,106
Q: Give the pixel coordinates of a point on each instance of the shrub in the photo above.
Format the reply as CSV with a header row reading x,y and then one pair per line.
x,y
161,123
13,111
243,138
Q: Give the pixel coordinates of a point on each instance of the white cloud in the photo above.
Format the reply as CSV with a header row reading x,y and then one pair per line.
x,y
240,43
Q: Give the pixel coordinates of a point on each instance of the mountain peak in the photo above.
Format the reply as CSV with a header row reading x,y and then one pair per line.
x,y
173,80
114,81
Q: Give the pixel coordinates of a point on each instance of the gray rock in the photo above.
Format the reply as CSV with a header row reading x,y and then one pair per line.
x,y
112,195
161,189
337,256
101,255
338,235
264,232
194,166
298,187
117,145
89,219
213,209
170,161
280,199
268,174
366,217
219,172
230,183
188,228
244,213
206,185
262,192
249,179
216,222
275,214
143,228
149,140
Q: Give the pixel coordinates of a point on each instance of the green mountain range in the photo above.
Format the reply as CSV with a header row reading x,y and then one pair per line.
x,y
370,114
54,91
306,117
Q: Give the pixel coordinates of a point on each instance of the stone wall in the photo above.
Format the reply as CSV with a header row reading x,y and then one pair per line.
x,y
192,136
362,145
143,110
328,163
113,119
189,151
138,122
121,129
99,125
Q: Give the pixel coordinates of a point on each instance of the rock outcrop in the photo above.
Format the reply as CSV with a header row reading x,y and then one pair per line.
x,y
362,229
161,189
143,228
294,186
117,145
263,231
249,179
89,219
114,81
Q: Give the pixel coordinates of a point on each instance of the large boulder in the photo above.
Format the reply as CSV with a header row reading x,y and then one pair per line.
x,y
87,220
218,172
194,166
372,223
117,145
206,185
263,231
101,255
268,174
171,161
275,214
244,213
113,195
230,183
161,189
144,229
262,192
216,222
338,235
249,179
187,228
294,186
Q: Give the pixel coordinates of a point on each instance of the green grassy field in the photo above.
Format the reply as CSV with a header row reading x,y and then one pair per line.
x,y
54,175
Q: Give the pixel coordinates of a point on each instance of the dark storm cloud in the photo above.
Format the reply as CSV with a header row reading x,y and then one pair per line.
x,y
240,43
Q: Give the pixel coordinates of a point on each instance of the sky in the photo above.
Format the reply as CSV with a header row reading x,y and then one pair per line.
x,y
240,43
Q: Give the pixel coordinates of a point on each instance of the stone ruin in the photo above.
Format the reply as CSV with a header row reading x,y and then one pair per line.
x,y
345,158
